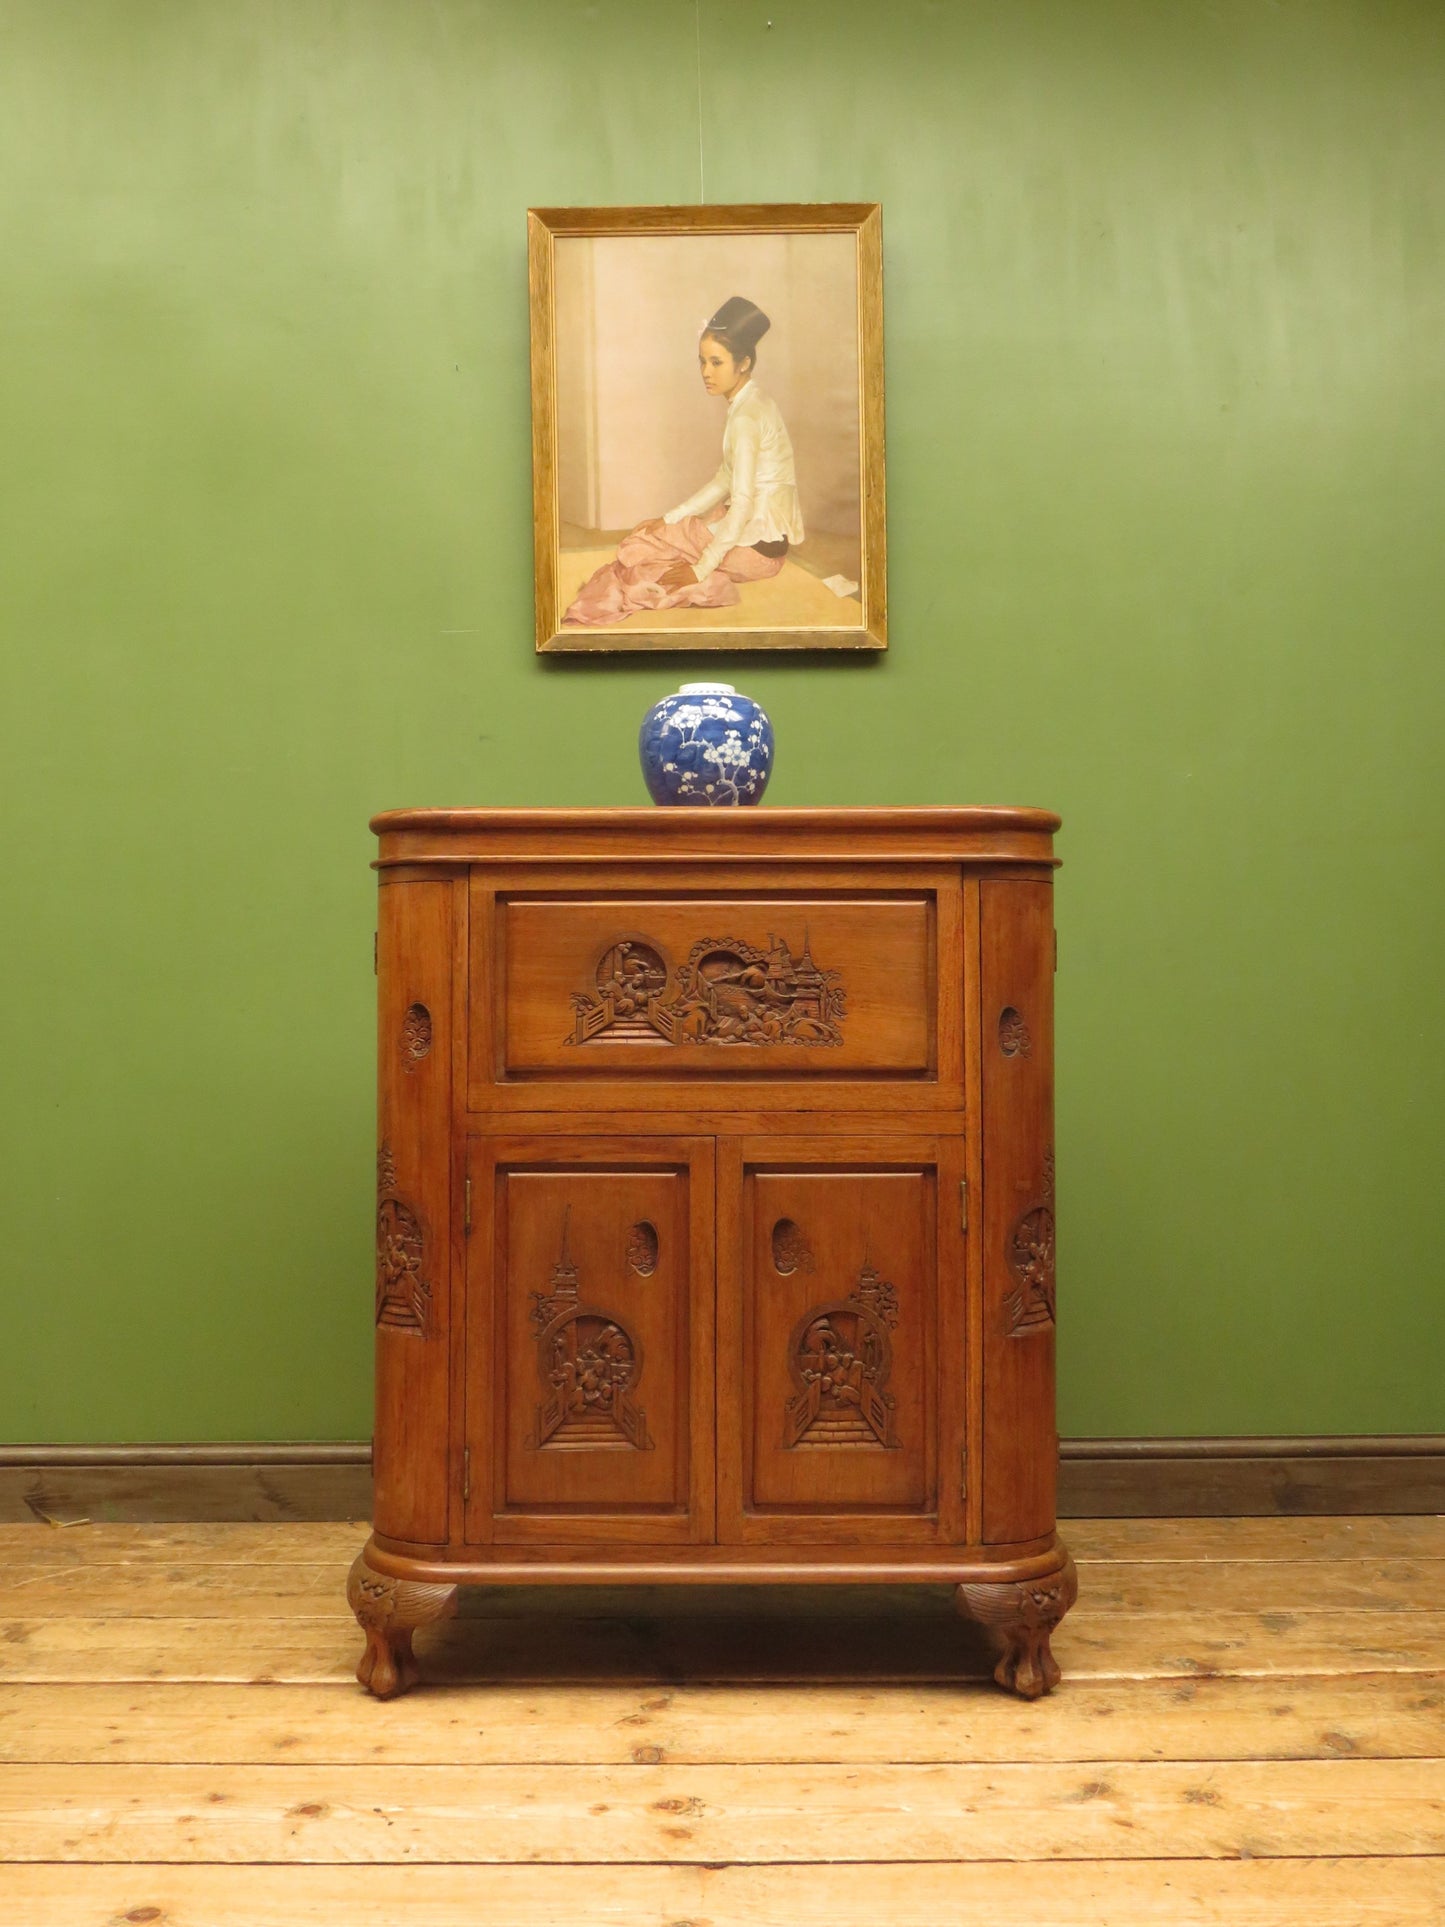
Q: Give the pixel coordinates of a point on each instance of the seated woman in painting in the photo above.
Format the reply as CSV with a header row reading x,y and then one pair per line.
x,y
738,527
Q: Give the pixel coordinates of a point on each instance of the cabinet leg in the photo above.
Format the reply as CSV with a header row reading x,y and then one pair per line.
x,y
389,1611
1023,1614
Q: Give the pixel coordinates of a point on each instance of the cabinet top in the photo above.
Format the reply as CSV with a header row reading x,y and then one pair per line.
x,y
991,834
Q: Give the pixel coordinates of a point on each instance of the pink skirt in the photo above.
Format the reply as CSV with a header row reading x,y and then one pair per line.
x,y
630,583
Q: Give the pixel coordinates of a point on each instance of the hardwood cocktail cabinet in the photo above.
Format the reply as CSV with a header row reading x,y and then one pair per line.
x,y
715,1218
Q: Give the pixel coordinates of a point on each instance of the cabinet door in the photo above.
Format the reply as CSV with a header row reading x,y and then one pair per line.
x,y
840,1340
589,1340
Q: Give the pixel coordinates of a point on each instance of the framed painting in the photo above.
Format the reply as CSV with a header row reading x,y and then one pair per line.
x,y
707,427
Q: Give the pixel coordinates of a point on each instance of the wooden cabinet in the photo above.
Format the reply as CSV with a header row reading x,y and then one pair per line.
x,y
715,1220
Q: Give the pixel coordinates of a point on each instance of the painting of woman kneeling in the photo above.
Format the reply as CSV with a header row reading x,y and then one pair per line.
x,y
739,526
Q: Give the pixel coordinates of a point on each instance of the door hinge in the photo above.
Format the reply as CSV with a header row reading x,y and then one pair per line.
x,y
375,949
963,1204
467,1207
466,1473
1056,950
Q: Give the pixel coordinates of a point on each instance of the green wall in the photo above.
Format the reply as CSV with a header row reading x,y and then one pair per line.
x,y
1164,306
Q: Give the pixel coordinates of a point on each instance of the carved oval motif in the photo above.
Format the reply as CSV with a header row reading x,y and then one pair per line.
x,y
642,1248
1014,1037
791,1250
416,1032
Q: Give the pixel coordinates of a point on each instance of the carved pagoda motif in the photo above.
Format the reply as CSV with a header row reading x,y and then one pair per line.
x,y
840,1356
727,992
590,1363
403,1295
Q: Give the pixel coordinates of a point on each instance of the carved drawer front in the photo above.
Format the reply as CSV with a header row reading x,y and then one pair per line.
x,y
829,1309
597,1271
715,986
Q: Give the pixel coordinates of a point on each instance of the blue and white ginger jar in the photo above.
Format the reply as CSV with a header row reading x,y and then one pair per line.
x,y
706,745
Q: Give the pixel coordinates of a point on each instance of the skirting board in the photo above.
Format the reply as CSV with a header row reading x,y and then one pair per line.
x,y
1098,1478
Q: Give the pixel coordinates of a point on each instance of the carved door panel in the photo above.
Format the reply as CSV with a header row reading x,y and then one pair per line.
x,y
589,1340
840,1340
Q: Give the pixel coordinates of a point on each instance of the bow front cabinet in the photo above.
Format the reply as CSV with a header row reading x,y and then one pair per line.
x,y
715,1210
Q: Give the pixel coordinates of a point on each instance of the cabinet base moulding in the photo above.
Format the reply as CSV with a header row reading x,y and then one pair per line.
x,y
722,1566
1018,1595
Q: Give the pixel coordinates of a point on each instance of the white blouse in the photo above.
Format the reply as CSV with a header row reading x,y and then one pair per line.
x,y
757,481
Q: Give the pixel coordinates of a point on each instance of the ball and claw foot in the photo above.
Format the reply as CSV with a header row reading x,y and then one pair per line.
x,y
1023,1614
389,1611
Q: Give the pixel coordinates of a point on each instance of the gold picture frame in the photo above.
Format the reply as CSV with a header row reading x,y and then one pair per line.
x,y
642,540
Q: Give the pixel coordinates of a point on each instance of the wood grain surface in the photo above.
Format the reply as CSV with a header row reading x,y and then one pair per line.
x,y
1331,1717
740,1813
1251,1730
1355,1892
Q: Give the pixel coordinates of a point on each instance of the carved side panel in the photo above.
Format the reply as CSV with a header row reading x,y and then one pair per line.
x,y
1016,1224
411,1471
1029,1306
403,1291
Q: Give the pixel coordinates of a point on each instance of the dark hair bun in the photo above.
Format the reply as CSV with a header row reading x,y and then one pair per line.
x,y
738,325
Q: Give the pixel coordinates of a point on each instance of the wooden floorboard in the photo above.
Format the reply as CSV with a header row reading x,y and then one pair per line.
x,y
490,1815
1174,1893
1373,1716
1251,1730
739,1648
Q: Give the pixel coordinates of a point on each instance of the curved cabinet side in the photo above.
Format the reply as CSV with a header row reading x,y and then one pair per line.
x,y
1016,1035
413,1223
